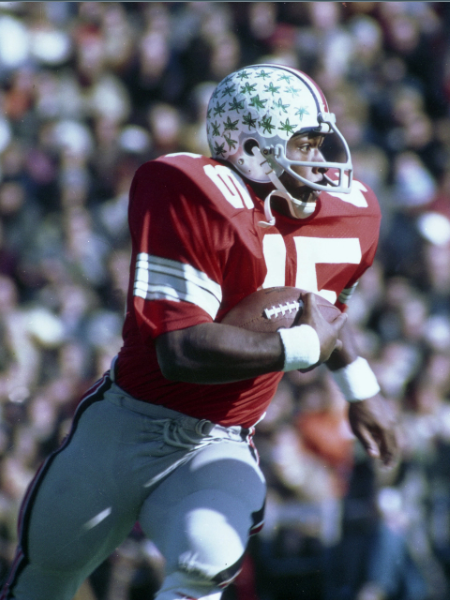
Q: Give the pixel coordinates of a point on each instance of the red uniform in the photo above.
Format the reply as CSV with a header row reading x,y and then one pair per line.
x,y
198,249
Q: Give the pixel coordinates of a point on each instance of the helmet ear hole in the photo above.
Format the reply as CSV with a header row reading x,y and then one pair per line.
x,y
249,145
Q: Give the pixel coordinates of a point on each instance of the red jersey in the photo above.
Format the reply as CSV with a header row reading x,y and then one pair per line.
x,y
198,248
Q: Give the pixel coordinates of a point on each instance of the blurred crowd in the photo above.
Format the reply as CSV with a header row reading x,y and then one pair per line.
x,y
88,92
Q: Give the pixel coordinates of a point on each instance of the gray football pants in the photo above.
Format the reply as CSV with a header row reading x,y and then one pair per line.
x,y
194,487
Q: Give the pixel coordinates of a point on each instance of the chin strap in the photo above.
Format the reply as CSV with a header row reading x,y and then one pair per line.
x,y
270,219
304,209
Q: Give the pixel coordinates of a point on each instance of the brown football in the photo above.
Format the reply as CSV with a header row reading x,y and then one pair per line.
x,y
270,309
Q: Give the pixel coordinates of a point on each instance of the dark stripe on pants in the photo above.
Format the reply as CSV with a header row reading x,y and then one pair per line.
x,y
94,394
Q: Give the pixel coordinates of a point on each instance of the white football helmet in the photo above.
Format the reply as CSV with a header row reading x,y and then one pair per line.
x,y
255,111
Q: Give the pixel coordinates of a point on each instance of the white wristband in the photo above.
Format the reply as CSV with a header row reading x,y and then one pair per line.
x,y
301,347
357,381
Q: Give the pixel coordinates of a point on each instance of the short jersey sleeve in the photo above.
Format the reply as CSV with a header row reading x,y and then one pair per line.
x,y
180,245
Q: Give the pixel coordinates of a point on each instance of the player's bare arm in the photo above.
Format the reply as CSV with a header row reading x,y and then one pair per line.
x,y
219,353
346,353
373,422
372,419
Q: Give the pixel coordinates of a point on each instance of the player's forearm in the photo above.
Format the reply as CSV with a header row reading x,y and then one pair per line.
x,y
215,353
347,354
351,372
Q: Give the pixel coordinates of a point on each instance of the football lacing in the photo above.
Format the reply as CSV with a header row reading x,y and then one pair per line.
x,y
273,312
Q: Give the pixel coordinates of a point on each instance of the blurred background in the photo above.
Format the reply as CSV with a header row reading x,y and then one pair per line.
x,y
88,92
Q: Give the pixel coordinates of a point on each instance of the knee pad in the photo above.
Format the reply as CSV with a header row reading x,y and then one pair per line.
x,y
214,559
216,548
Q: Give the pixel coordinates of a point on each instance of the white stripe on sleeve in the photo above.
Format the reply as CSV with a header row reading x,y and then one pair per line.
x,y
347,293
159,278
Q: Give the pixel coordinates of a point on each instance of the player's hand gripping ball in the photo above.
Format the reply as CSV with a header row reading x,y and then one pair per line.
x,y
270,309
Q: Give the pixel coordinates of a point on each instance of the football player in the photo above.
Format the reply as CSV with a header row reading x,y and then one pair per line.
x,y
165,437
